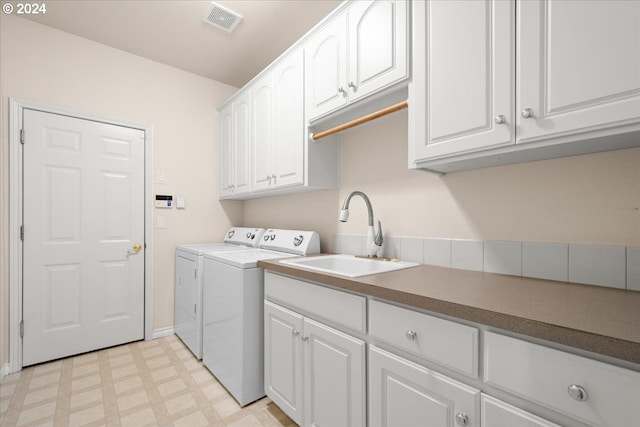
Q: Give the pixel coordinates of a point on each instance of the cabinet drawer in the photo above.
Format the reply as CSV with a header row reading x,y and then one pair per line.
x,y
321,302
496,413
449,344
611,395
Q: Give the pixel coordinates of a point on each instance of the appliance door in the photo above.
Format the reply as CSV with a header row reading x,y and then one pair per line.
x,y
186,323
233,334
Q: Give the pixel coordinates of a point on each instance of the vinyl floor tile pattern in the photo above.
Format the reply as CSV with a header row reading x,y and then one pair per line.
x,y
146,383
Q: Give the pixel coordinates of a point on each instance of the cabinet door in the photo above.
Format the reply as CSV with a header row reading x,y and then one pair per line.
x,y
225,160
283,359
579,66
334,377
261,133
242,144
289,139
325,68
377,45
402,393
462,93
496,413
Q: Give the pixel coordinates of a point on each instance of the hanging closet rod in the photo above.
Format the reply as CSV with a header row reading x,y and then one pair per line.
x,y
364,119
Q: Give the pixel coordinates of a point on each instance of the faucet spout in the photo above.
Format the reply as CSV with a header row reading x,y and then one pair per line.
x,y
374,240
344,214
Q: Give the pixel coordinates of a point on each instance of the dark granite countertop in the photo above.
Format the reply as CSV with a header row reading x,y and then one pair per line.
x,y
592,318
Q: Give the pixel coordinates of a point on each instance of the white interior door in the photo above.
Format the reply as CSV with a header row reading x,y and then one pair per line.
x,y
83,215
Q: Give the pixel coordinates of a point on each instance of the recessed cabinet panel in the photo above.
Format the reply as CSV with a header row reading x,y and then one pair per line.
x,y
242,143
334,365
261,125
496,413
287,154
326,62
377,45
402,393
224,146
579,66
463,77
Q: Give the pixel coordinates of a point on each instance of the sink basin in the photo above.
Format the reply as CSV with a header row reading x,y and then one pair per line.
x,y
348,265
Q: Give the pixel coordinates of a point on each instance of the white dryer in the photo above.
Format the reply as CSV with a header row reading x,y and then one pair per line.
x,y
233,306
188,282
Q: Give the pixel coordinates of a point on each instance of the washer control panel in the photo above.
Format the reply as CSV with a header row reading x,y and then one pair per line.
x,y
244,236
291,241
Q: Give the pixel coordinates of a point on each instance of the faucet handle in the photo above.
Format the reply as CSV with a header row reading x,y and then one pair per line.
x,y
378,239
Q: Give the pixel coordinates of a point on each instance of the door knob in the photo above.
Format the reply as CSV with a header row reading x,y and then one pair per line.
x,y
499,119
136,248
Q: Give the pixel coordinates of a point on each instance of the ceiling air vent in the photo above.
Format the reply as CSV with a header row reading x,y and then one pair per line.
x,y
221,17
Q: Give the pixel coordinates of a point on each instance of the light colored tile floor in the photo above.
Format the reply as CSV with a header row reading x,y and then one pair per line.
x,y
147,383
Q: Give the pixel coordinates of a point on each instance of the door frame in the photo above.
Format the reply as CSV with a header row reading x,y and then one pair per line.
x,y
16,214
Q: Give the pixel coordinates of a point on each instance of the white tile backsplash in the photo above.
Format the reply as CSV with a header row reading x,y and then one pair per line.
x,y
612,266
633,269
411,249
545,261
503,257
598,265
437,252
467,254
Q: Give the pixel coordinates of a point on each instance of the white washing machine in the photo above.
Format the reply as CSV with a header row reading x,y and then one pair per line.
x,y
233,301
188,282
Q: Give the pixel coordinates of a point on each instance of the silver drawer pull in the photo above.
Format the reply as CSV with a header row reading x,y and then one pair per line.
x,y
411,335
295,332
578,392
305,338
462,419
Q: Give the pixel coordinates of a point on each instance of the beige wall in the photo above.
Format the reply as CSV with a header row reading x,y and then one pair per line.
x,y
48,66
584,199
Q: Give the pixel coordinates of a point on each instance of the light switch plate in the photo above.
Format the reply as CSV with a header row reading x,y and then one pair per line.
x,y
180,202
160,222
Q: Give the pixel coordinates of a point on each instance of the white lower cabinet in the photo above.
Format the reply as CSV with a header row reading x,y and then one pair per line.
x,y
314,373
402,393
496,413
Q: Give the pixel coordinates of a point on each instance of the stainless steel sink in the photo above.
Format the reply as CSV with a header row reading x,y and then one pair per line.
x,y
348,265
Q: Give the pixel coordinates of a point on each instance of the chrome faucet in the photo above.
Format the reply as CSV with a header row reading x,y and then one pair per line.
x,y
374,240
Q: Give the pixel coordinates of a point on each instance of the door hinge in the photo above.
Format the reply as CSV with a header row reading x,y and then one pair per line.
x,y
22,136
22,232
195,274
194,308
21,328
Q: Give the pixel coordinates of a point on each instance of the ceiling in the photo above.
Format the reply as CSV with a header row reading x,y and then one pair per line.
x,y
172,31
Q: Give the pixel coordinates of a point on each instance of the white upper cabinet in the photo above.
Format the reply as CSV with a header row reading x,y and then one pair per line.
x,y
579,67
378,46
225,137
498,82
262,138
326,68
234,146
358,53
277,117
465,75
288,141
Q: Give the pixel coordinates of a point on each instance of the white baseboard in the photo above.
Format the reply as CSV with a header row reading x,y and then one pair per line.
x,y
162,332
4,372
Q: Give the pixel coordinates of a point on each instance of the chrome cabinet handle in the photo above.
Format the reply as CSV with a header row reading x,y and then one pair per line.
x,y
341,90
411,335
352,86
305,338
295,332
462,419
527,113
577,392
499,119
